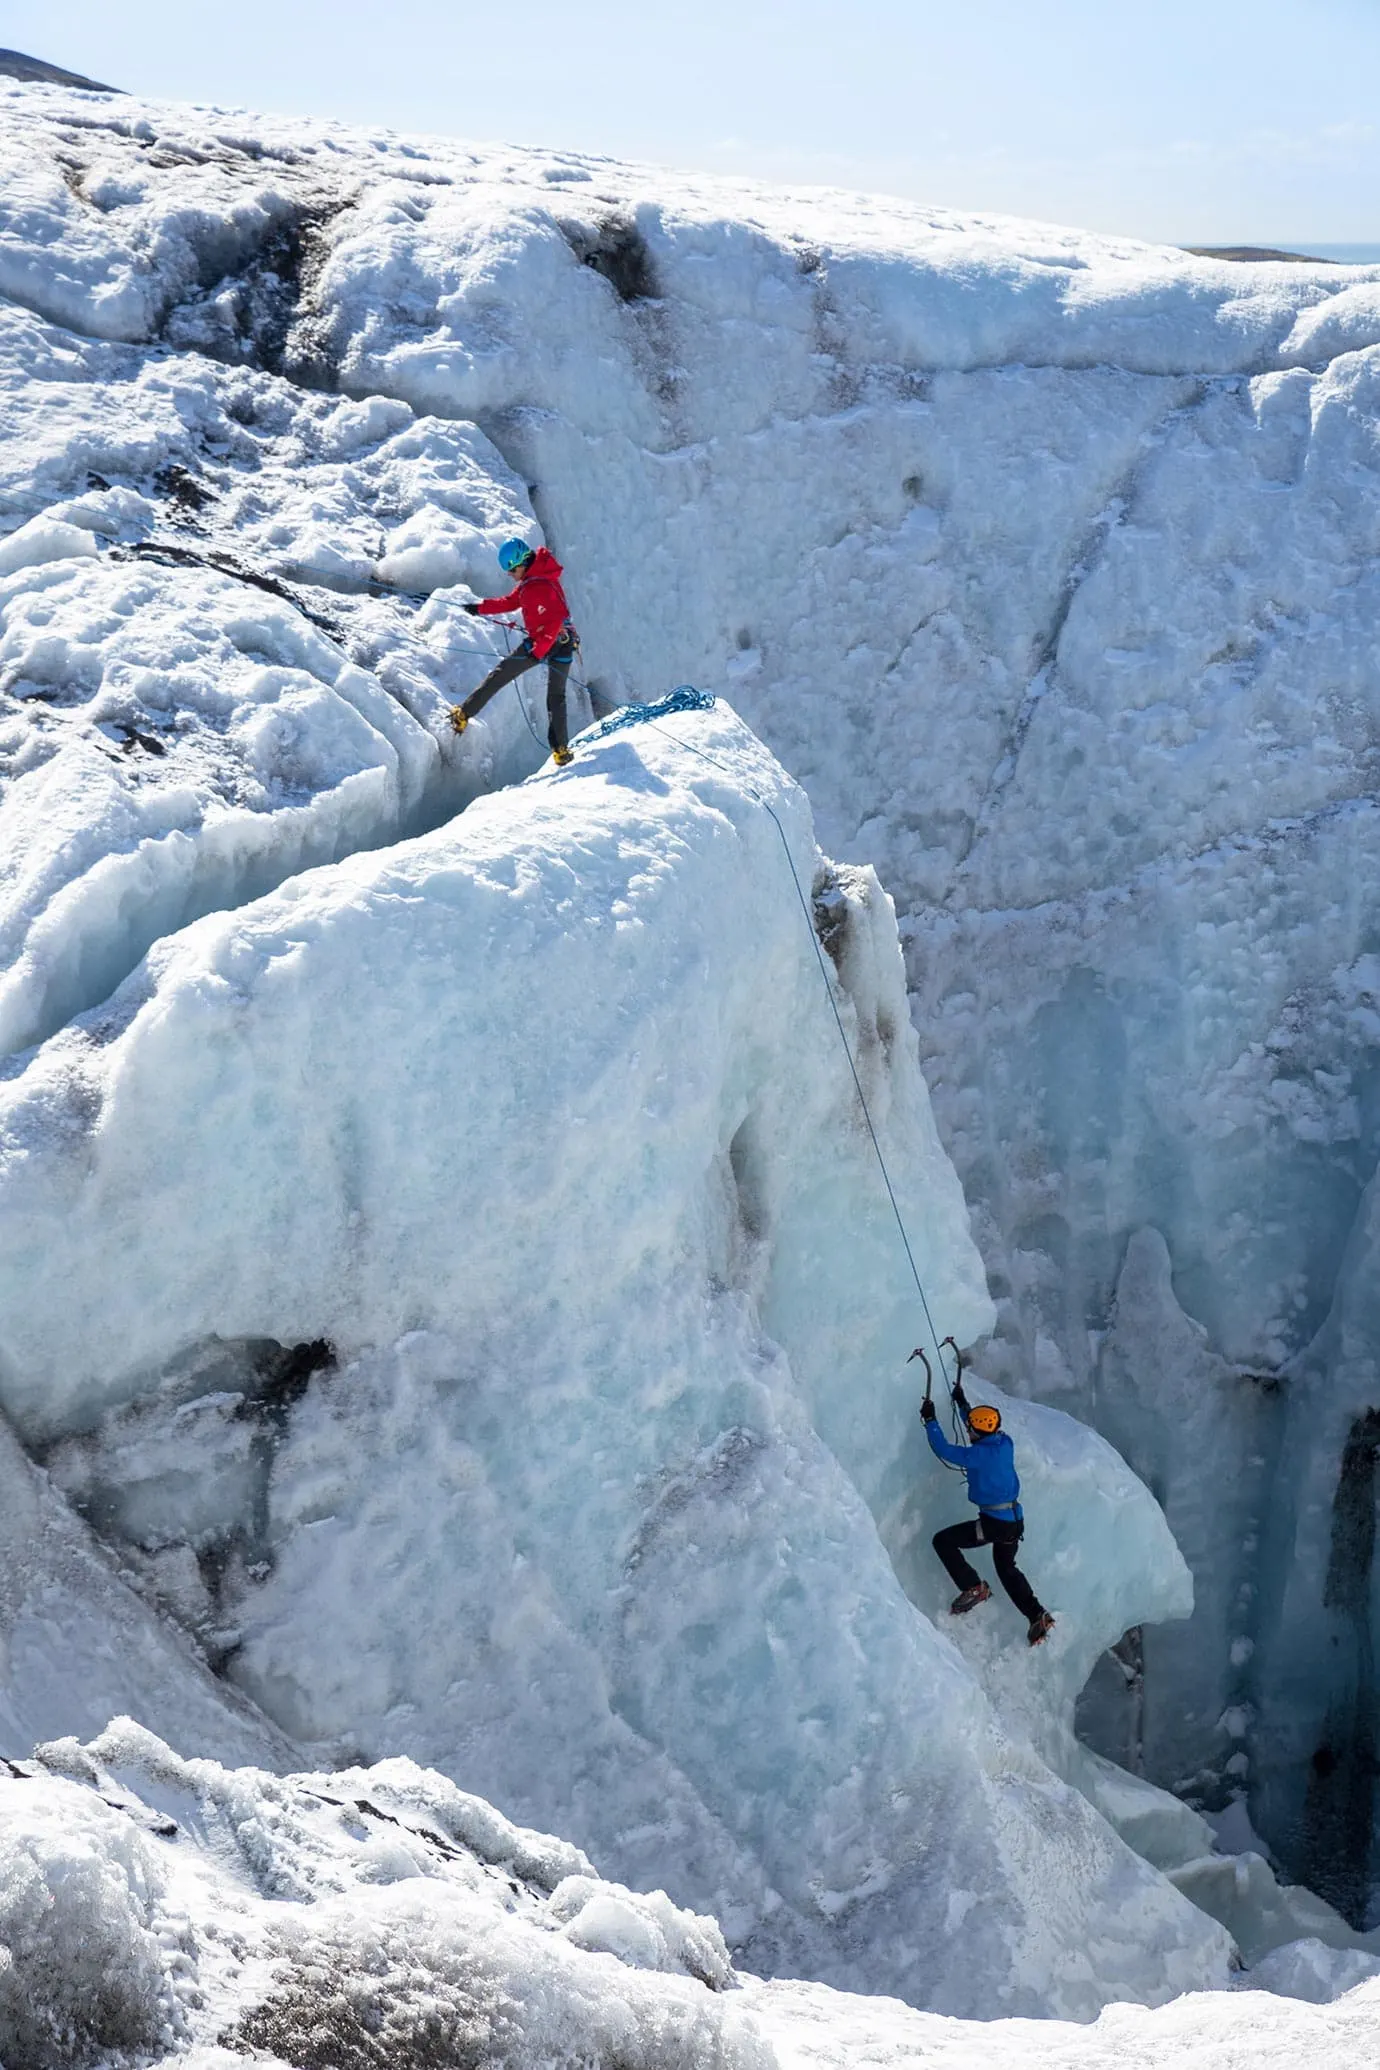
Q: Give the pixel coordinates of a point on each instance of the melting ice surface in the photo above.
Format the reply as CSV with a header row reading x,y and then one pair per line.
x,y
453,1282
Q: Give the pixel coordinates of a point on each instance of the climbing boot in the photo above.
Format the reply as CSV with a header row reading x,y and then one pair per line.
x,y
560,756
1040,1628
969,1600
459,718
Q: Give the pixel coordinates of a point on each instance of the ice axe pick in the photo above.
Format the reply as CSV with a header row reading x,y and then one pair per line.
x,y
919,1353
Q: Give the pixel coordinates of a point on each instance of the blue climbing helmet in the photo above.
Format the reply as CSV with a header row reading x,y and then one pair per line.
x,y
513,554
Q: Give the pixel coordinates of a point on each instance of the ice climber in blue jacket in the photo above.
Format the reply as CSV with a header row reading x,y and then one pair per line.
x,y
989,1461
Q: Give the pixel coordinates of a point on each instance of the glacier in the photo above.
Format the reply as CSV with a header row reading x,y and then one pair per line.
x,y
450,1312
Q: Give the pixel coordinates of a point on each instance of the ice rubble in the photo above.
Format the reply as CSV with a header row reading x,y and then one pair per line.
x,y
919,489
185,1913
192,1916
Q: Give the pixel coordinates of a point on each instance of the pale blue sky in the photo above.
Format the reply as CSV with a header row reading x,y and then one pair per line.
x,y
1199,121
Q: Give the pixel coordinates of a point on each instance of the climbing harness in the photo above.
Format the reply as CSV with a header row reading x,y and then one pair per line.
x,y
686,698
468,648
507,631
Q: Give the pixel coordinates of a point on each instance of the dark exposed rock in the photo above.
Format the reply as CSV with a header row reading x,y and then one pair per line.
x,y
183,488
35,72
260,314
1253,254
618,252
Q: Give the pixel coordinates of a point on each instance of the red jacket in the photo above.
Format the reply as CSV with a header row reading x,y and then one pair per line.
x,y
540,599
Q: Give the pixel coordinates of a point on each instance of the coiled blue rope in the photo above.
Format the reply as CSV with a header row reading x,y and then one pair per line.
x,y
685,698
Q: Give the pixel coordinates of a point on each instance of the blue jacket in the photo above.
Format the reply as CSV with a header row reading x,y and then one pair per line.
x,y
990,1464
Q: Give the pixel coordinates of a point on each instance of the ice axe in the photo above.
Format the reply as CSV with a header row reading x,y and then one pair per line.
x,y
958,1365
919,1353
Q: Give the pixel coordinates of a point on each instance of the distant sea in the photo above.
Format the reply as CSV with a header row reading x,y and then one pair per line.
x,y
1344,254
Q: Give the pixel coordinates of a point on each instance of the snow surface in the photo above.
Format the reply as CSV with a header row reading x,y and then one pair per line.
x,y
173,737
812,2028
194,1915
1044,562
187,1913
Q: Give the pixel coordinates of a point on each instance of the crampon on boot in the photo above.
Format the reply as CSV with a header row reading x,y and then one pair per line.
x,y
970,1599
459,718
560,756
1040,1628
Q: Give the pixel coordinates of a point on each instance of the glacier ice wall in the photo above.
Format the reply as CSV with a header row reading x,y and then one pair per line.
x,y
1046,562
534,1118
1043,560
78,1645
183,723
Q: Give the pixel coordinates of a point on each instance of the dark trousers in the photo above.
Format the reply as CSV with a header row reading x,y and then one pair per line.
x,y
1003,1535
517,664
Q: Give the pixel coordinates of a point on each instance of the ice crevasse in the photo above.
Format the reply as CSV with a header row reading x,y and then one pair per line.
x,y
456,1285
542,1123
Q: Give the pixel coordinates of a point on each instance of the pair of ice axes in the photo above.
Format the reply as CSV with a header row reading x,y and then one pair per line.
x,y
919,1353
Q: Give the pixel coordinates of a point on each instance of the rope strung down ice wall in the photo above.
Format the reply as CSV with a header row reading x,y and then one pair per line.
x,y
685,698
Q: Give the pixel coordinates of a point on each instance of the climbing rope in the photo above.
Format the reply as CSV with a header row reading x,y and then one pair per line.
x,y
684,699
544,745
687,698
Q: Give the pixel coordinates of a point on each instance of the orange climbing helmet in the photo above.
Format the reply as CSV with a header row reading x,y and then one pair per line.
x,y
984,1419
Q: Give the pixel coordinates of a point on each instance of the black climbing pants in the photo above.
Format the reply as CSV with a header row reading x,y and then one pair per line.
x,y
1003,1535
517,664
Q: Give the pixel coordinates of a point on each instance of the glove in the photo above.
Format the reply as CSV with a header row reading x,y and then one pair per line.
x,y
928,1411
470,610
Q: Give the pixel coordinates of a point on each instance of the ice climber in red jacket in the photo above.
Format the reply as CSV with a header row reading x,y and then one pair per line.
x,y
550,638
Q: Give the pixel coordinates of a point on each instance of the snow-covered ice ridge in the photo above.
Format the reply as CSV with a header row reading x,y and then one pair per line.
x,y
969,517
